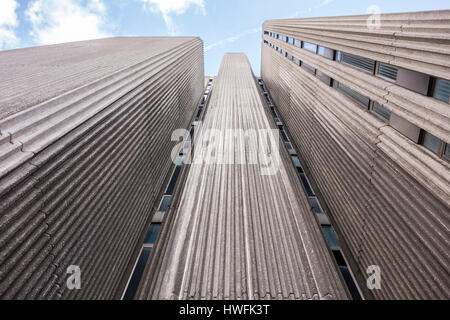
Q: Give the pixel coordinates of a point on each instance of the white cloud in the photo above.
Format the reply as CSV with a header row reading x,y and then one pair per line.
x,y
8,23
168,7
58,21
259,29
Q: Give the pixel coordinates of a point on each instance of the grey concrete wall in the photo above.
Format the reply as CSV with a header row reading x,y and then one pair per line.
x,y
388,196
85,149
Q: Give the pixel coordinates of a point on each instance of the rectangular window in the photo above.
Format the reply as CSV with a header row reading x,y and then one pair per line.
x,y
173,181
447,151
297,43
323,77
326,52
308,68
310,46
137,274
353,94
296,161
388,71
442,90
431,142
152,234
330,236
359,62
307,186
315,205
382,111
338,55
296,61
165,203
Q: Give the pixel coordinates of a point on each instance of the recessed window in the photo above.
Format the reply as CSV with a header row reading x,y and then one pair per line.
x,y
306,184
447,151
338,55
339,258
353,94
330,236
291,40
296,161
173,181
297,43
310,46
315,205
326,52
442,90
380,110
137,274
165,203
359,62
388,71
431,142
152,234
350,283
296,61
308,68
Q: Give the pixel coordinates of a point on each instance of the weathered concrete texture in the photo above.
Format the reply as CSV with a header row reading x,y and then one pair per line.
x,y
389,197
236,234
92,123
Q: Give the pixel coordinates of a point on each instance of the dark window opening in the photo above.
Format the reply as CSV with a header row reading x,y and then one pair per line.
x,y
137,274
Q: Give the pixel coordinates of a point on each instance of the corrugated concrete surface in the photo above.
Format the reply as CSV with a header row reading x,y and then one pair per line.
x,y
84,150
389,197
236,234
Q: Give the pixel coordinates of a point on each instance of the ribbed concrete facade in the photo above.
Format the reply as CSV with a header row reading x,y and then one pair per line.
x,y
84,150
233,232
388,195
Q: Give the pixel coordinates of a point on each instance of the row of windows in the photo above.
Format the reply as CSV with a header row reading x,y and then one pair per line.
x,y
155,226
415,81
327,229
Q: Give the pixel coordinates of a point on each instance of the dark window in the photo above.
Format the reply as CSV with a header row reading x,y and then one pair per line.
x,y
296,161
339,258
447,151
137,274
382,111
442,90
388,71
308,68
152,234
308,188
165,203
326,52
173,181
431,142
353,94
330,236
310,46
350,283
359,62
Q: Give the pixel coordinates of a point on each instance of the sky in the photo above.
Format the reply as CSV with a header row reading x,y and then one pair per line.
x,y
223,25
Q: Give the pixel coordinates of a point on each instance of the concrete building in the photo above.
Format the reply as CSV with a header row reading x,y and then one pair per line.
x,y
366,100
231,232
290,186
84,149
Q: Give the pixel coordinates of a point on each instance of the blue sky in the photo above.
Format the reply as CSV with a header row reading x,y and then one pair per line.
x,y
224,25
